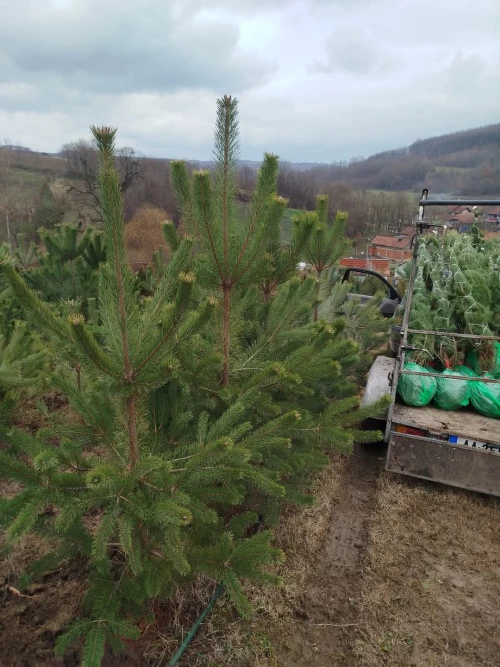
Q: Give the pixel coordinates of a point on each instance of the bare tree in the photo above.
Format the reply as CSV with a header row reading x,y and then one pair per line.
x,y
81,173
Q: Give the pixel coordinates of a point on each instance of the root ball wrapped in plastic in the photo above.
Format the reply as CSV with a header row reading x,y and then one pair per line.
x,y
416,390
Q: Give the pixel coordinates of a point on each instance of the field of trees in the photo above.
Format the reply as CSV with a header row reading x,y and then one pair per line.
x,y
178,407
44,190
379,193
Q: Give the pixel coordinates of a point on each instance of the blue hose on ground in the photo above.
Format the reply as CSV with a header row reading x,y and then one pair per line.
x,y
189,637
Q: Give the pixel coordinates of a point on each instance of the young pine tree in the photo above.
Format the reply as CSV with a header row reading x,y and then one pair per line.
x,y
67,271
327,244
269,349
139,483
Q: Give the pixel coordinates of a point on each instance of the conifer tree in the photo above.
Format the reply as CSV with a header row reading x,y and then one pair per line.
x,y
327,244
156,502
266,340
232,252
186,430
67,271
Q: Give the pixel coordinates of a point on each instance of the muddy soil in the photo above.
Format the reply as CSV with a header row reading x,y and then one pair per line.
x,y
31,620
327,612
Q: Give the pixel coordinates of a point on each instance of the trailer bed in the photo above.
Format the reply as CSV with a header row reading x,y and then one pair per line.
x,y
465,423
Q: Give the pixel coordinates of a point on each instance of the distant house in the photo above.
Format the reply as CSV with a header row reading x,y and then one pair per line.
x,y
381,266
460,221
396,247
461,217
492,236
493,215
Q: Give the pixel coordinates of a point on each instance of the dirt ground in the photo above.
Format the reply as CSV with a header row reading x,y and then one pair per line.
x,y
381,571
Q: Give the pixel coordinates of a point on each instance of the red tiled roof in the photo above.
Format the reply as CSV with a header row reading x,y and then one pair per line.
x,y
458,210
489,236
403,242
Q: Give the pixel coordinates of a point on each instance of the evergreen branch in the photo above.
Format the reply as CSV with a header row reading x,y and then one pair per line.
x,y
112,205
87,341
188,279
266,187
32,302
227,109
93,649
277,204
180,181
171,235
201,190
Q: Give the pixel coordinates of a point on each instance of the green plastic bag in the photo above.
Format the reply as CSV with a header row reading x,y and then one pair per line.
x,y
416,390
452,394
485,397
496,369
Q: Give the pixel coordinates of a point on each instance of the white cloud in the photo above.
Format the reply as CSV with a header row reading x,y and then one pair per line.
x,y
317,79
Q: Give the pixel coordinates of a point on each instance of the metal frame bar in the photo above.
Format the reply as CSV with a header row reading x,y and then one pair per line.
x,y
400,358
465,378
452,335
459,202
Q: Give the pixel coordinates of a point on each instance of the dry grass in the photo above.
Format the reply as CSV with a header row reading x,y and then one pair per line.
x,y
428,595
143,235
227,640
431,588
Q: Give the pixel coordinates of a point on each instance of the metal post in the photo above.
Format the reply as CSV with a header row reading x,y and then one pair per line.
x,y
459,202
400,359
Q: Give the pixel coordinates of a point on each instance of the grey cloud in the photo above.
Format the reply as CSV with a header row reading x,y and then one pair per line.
x,y
154,68
124,47
252,6
471,70
352,53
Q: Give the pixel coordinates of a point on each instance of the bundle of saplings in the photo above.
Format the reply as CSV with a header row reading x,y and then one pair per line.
x,y
457,290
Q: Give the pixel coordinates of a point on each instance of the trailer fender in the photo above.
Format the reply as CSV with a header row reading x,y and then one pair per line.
x,y
379,381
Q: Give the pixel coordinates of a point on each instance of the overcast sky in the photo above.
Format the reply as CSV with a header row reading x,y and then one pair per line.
x,y
317,80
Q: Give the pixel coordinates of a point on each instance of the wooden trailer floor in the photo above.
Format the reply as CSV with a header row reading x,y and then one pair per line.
x,y
465,423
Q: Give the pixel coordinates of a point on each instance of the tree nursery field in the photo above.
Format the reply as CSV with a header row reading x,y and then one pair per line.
x,y
194,426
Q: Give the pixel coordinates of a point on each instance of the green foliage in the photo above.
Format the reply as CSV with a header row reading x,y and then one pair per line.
x,y
204,403
456,290
26,255
327,243
363,322
22,363
67,271
48,212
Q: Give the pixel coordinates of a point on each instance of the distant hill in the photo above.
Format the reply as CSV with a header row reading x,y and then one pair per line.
x,y
11,147
254,164
465,162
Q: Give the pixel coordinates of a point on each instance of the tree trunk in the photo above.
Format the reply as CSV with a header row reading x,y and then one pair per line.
x,y
316,307
226,333
132,431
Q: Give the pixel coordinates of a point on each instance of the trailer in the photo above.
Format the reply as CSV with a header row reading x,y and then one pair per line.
x,y
461,449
